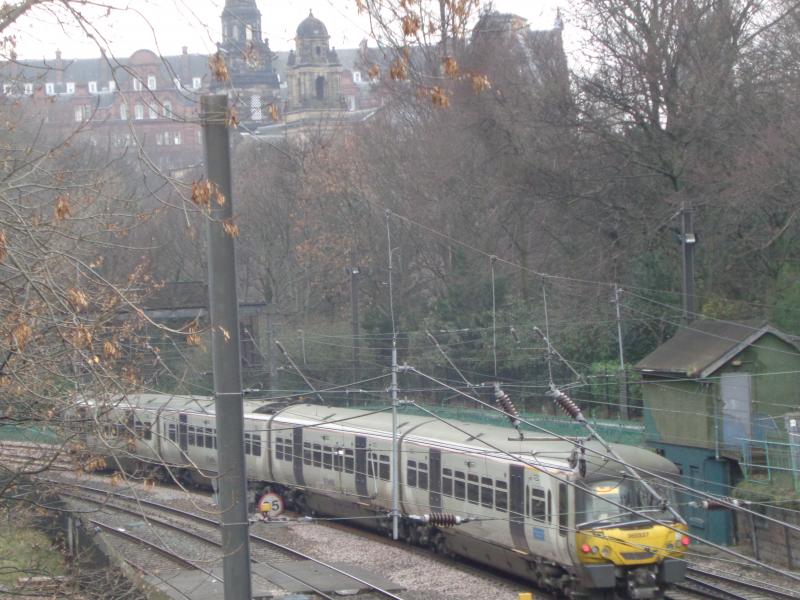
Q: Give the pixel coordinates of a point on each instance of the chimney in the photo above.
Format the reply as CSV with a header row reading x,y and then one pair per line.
x,y
186,75
105,70
59,67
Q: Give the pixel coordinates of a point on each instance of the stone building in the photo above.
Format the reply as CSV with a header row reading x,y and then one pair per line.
x,y
314,71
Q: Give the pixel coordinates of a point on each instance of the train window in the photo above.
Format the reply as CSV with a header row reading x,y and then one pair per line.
x,y
447,482
349,463
247,445
422,476
317,454
327,457
148,430
549,506
501,496
210,438
472,489
278,448
190,435
384,468
537,506
411,473
563,509
256,445
338,459
487,495
459,485
171,432
306,453
137,428
372,465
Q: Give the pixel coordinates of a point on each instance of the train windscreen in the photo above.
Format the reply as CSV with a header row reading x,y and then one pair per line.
x,y
605,505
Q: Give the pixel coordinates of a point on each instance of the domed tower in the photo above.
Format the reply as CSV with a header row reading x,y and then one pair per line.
x,y
315,72
248,57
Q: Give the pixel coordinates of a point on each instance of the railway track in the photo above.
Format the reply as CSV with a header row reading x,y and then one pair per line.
x,y
276,558
704,583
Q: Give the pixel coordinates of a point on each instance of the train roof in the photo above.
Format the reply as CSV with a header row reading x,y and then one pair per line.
x,y
540,449
537,448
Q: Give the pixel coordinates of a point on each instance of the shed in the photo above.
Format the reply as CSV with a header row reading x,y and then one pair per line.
x,y
714,399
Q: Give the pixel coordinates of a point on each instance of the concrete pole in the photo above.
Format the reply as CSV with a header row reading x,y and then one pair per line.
x,y
228,400
688,241
623,379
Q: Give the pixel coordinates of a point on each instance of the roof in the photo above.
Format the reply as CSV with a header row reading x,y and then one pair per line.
x,y
701,348
311,27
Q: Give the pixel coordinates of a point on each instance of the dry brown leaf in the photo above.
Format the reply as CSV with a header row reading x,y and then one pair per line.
x,y
225,333
411,25
193,338
110,350
398,69
201,193
62,208
21,334
218,67
77,298
480,83
272,109
3,245
450,66
231,228
374,71
233,117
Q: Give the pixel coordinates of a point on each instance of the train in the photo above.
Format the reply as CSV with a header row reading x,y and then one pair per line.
x,y
528,505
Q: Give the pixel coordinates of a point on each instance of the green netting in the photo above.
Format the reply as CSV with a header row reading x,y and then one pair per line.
x,y
631,433
19,433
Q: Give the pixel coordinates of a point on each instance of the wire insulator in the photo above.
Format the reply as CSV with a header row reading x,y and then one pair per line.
x,y
566,404
442,519
504,402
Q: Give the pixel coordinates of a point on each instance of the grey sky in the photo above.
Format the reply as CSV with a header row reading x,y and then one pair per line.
x,y
167,25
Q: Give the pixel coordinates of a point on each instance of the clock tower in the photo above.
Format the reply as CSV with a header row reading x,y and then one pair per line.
x,y
253,83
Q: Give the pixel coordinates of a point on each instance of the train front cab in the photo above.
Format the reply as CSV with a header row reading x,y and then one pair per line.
x,y
623,555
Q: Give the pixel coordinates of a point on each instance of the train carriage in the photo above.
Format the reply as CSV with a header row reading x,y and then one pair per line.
x,y
528,507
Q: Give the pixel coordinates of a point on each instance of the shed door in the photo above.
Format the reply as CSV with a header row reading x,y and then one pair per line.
x,y
736,393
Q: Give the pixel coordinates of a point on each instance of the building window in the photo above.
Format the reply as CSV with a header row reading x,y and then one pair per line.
x,y
137,85
196,83
177,83
70,87
168,110
28,89
92,87
177,138
152,112
50,89
7,89
138,112
151,82
123,111
112,85
319,51
78,114
356,76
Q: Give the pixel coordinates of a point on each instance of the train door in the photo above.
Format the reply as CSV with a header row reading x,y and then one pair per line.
x,y
297,456
435,491
361,466
563,521
516,507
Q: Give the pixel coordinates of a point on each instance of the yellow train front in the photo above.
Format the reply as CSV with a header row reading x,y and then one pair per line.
x,y
627,554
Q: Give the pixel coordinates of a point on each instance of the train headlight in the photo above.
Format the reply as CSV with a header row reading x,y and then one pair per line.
x,y
670,546
595,549
605,552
